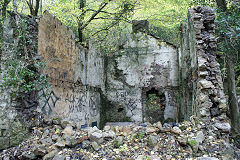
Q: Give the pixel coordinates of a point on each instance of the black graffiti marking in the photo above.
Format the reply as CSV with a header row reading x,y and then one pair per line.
x,y
75,108
121,94
86,117
76,103
47,102
131,104
93,101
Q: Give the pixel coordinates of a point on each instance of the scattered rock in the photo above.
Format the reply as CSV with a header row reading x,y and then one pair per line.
x,y
47,141
109,134
207,158
27,155
55,137
124,142
225,127
71,142
95,146
200,137
159,126
152,141
228,154
150,130
39,150
68,130
86,144
177,130
182,140
60,144
50,155
64,124
59,157
118,142
106,128
57,121
97,137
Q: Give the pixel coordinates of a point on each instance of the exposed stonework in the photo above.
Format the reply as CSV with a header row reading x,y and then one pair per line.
x,y
87,86
200,73
144,64
12,128
125,78
68,66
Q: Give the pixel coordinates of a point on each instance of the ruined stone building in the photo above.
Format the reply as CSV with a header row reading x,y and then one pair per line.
x,y
91,88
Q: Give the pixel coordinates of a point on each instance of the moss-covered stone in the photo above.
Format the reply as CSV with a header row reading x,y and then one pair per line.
x,y
13,135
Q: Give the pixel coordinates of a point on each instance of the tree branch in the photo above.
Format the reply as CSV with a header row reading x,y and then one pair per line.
x,y
113,19
36,8
102,6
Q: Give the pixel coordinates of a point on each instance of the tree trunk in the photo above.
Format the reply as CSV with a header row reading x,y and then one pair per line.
x,y
221,4
232,100
81,18
33,10
36,8
4,8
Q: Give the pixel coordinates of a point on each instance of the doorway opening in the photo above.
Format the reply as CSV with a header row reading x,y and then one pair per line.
x,y
155,105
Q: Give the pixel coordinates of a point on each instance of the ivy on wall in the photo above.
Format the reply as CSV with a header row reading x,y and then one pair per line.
x,y
22,66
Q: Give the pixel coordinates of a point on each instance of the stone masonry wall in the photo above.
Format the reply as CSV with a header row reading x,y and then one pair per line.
x,y
70,97
142,66
12,129
202,86
125,80
86,84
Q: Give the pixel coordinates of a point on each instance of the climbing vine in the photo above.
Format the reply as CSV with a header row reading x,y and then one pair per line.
x,y
21,66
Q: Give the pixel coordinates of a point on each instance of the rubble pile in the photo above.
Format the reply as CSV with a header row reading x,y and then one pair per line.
x,y
61,140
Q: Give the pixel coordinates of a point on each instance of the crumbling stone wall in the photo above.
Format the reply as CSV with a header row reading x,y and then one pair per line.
x,y
143,64
82,80
201,82
68,64
16,112
85,83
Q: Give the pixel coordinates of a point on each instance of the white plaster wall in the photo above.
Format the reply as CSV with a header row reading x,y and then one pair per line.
x,y
143,63
95,72
137,68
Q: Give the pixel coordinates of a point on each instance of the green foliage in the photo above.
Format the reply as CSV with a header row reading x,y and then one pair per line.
x,y
146,158
228,32
114,21
203,3
140,135
153,102
164,17
21,73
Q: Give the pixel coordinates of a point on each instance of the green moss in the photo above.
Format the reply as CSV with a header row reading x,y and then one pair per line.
x,y
57,119
140,135
192,143
183,128
196,121
150,143
116,144
146,158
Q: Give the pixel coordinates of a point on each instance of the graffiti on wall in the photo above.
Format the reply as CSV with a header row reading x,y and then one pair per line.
x,y
76,102
82,107
49,101
93,106
130,102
